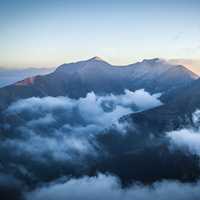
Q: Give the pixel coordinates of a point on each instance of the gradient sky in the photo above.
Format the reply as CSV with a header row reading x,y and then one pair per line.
x,y
50,32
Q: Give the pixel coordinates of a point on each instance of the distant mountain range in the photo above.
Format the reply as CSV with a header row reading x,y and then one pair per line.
x,y
77,79
9,76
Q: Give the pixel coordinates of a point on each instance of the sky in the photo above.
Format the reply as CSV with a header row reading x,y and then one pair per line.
x,y
46,33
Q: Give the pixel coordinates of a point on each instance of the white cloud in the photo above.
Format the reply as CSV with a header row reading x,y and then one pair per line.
x,y
196,118
36,104
47,119
107,187
187,139
93,109
62,128
60,147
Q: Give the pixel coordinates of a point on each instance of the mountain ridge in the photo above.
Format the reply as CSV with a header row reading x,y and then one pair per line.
x,y
174,115
77,79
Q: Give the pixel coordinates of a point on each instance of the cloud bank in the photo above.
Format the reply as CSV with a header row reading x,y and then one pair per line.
x,y
60,131
187,139
108,187
55,138
92,108
58,126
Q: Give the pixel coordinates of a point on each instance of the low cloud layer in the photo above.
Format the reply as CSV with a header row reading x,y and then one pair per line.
x,y
92,108
47,142
61,127
58,133
187,139
108,187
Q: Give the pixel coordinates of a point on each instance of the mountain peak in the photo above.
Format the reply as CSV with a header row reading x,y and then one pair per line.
x,y
96,58
154,60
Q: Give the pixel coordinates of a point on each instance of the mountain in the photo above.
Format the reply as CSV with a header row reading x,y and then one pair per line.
x,y
136,149
11,75
146,153
77,79
171,116
192,64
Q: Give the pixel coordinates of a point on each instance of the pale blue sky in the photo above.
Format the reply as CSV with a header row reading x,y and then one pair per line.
x,y
50,32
